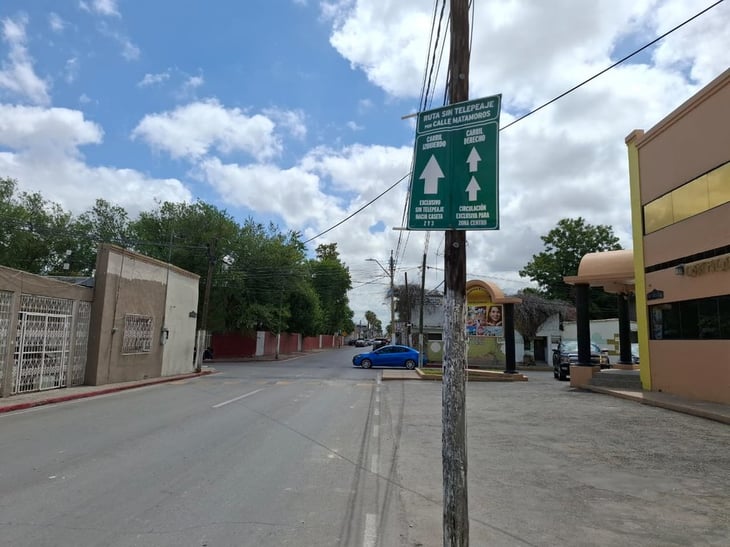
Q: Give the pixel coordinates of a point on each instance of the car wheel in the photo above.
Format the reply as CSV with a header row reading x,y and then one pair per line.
x,y
562,376
366,363
410,364
555,374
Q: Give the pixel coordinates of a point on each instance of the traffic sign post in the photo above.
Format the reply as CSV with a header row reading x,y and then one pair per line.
x,y
456,168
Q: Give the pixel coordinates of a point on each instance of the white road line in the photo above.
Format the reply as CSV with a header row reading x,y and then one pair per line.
x,y
370,535
376,431
224,403
374,464
376,412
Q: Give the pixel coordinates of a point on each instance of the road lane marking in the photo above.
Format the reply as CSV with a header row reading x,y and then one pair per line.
x,y
374,464
370,534
224,403
376,431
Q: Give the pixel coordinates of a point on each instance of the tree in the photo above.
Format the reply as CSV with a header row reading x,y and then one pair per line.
x,y
565,246
532,312
331,280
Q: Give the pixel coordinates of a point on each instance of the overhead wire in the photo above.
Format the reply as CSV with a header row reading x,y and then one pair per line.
x,y
562,95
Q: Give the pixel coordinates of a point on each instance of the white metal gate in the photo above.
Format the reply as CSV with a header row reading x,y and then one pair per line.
x,y
51,340
42,351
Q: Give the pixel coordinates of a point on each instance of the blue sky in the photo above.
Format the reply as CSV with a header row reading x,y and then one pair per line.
x,y
290,111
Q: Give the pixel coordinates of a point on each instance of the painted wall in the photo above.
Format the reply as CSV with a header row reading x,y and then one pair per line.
x,y
130,283
181,299
604,332
691,141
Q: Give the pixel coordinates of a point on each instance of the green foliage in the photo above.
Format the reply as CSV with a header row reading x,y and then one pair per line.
x,y
565,246
331,281
260,277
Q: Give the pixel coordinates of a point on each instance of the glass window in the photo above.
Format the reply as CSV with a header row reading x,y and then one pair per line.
x,y
708,319
691,199
718,185
701,319
658,214
689,320
723,310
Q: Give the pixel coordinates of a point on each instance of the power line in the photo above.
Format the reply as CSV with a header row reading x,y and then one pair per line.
x,y
614,65
574,88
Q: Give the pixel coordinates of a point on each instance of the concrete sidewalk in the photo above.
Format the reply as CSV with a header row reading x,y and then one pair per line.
x,y
711,411
703,409
23,401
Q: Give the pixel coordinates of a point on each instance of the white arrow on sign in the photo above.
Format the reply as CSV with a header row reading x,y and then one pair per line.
x,y
472,189
431,174
473,159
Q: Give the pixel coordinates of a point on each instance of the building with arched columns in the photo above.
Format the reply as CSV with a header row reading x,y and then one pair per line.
x,y
679,173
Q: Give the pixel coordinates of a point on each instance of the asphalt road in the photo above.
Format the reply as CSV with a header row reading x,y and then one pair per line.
x,y
268,454
313,452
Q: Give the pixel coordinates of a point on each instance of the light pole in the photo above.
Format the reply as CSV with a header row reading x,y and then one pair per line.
x,y
390,273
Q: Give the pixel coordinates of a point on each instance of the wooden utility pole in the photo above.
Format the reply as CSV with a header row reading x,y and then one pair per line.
x,y
453,448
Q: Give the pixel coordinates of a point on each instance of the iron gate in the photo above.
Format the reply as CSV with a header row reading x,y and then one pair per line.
x,y
50,349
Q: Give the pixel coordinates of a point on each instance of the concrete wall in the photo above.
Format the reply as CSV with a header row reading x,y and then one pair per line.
x,y
604,332
130,283
182,299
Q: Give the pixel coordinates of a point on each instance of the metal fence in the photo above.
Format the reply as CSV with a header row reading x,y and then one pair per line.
x,y
51,339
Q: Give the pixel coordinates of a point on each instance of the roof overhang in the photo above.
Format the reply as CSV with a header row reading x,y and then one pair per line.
x,y
612,270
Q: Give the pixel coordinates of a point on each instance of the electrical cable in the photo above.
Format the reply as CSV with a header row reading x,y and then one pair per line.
x,y
574,88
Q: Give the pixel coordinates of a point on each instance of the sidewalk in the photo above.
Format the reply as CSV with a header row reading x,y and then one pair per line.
x,y
711,411
23,401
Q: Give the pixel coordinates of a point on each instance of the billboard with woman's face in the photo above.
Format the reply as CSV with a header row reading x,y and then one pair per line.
x,y
483,318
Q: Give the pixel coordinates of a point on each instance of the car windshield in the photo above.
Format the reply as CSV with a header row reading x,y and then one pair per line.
x,y
571,346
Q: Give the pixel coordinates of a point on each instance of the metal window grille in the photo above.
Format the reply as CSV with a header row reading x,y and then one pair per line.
x,y
137,334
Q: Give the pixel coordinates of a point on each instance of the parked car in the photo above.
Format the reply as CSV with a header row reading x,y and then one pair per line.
x,y
380,342
566,354
635,353
361,343
389,356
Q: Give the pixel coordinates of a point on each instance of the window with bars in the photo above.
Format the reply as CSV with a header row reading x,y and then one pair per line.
x,y
137,334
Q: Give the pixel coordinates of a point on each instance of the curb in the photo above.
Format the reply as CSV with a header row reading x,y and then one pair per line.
x,y
668,405
102,391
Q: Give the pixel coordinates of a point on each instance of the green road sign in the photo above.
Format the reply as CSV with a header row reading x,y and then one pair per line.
x,y
454,185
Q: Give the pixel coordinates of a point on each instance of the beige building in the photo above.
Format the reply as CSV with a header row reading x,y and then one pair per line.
x,y
143,318
680,195
136,319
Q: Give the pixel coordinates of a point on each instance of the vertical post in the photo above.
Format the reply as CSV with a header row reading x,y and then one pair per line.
x,y
392,302
583,322
624,330
420,312
510,366
206,303
453,450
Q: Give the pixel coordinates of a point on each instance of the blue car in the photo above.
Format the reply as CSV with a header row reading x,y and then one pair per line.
x,y
389,356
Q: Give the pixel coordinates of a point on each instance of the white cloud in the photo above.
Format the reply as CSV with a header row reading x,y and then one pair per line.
x,y
154,79
17,74
44,157
569,159
291,120
194,130
106,8
55,131
55,22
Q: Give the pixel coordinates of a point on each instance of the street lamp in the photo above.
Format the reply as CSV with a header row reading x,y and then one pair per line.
x,y
390,272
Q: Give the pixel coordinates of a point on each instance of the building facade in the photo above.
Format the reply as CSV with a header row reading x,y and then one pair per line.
x,y
680,196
